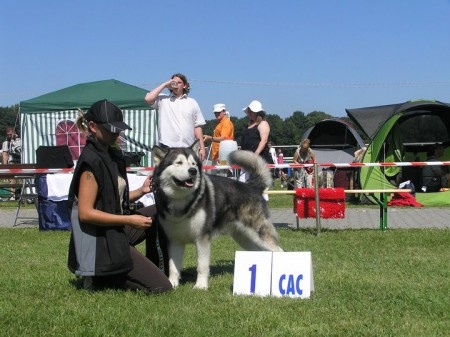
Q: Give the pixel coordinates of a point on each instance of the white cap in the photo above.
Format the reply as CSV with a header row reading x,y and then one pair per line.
x,y
219,107
255,106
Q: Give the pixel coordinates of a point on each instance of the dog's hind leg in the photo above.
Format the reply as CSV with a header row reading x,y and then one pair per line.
x,y
264,238
176,253
203,247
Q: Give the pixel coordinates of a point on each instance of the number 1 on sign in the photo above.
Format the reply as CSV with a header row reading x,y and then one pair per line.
x,y
252,273
252,279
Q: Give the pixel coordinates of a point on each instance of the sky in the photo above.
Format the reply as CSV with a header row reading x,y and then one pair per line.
x,y
292,55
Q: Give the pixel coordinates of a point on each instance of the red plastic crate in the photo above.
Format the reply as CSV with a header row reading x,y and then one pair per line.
x,y
331,203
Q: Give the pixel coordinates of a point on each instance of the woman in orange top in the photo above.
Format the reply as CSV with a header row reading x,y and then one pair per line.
x,y
224,130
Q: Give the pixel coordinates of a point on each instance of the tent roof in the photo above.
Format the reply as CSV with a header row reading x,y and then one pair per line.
x,y
371,119
333,141
333,133
83,95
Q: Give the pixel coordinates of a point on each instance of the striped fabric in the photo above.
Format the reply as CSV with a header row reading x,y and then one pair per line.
x,y
40,129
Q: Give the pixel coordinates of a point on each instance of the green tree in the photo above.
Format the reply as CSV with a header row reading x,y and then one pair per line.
x,y
208,128
276,129
314,117
295,126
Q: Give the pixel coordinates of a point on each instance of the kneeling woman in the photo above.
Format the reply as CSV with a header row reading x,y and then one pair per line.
x,y
104,232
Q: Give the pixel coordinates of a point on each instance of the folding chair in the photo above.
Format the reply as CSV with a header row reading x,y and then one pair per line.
x,y
27,194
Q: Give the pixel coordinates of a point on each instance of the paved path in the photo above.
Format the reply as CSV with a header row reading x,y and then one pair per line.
x,y
368,217
355,218
7,217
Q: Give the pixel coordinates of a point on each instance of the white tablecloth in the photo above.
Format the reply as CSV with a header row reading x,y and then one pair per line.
x,y
58,185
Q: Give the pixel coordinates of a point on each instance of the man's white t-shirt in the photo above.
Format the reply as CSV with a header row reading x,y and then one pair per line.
x,y
177,118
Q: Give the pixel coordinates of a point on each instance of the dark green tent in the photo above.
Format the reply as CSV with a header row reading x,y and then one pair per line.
x,y
46,120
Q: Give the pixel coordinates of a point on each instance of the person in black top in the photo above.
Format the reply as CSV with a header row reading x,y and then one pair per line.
x,y
104,232
255,136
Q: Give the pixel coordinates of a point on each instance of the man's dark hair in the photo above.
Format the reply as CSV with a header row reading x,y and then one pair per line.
x,y
185,81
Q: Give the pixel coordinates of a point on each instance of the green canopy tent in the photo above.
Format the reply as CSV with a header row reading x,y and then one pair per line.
x,y
403,133
49,120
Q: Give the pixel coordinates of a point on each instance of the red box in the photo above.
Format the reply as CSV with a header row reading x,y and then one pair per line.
x,y
331,203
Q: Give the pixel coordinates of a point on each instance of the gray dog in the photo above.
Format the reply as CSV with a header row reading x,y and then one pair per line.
x,y
194,206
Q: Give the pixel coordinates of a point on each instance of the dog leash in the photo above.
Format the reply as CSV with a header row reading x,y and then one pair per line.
x,y
209,154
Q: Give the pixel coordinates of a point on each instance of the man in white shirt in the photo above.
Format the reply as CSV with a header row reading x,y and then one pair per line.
x,y
180,119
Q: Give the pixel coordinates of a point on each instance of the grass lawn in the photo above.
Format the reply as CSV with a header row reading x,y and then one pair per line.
x,y
367,282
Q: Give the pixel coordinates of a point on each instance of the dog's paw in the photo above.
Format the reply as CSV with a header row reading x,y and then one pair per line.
x,y
202,281
201,286
175,282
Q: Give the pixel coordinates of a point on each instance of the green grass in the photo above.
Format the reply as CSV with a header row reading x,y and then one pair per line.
x,y
368,283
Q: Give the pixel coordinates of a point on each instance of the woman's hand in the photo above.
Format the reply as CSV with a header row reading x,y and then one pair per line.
x,y
139,221
147,184
143,190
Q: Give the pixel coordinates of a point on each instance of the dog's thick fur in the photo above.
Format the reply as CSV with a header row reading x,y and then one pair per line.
x,y
193,207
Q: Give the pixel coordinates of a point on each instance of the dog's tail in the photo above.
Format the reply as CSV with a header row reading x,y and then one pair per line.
x,y
260,175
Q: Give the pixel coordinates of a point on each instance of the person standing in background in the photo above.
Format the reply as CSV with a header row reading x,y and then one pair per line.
x,y
224,130
273,154
11,153
280,157
304,155
282,171
180,119
255,136
11,147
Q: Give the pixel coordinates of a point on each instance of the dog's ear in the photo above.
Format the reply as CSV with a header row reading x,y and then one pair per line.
x,y
195,147
158,154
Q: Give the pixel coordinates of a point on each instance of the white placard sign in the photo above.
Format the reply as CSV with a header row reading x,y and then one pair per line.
x,y
292,274
279,274
252,273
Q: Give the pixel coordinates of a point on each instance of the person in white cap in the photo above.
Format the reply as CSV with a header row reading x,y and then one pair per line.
x,y
180,119
224,130
256,135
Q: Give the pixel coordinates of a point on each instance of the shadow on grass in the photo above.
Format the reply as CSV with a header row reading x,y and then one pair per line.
x,y
189,275
77,283
313,231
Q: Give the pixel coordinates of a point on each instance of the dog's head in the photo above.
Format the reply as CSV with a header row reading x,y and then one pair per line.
x,y
178,171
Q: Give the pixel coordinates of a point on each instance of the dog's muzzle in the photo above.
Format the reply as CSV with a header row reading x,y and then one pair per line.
x,y
188,182
192,171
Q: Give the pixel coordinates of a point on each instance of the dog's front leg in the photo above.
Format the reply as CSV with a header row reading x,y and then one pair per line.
x,y
176,252
203,246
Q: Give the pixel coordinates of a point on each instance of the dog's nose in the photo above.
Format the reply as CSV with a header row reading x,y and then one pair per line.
x,y
192,171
